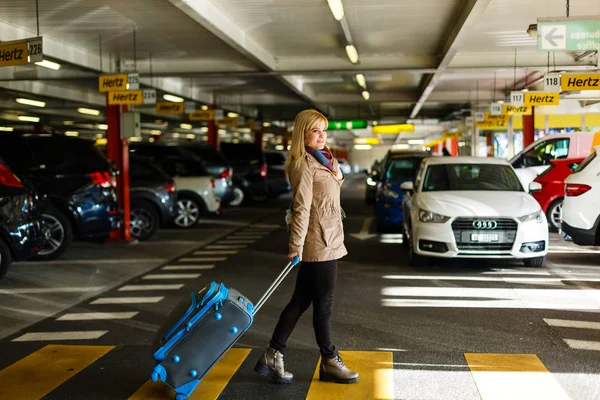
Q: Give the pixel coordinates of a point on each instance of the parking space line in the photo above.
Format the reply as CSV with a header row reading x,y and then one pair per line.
x,y
127,300
54,336
563,323
582,344
186,267
243,237
215,252
82,289
210,386
217,247
202,259
135,288
376,378
229,241
41,372
171,276
97,316
509,272
513,376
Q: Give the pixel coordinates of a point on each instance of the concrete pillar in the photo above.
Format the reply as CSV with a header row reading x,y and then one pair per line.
x,y
529,128
510,152
475,141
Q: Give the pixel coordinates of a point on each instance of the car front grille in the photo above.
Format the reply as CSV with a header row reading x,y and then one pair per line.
x,y
506,228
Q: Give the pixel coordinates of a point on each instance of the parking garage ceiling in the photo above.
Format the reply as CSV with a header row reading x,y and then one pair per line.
x,y
269,59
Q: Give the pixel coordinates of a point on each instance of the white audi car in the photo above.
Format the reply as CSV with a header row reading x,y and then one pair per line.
x,y
471,207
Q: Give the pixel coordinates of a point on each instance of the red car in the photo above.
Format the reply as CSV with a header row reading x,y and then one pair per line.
x,y
553,188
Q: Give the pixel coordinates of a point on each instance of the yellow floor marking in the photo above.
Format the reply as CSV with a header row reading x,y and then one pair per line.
x,y
41,372
513,376
209,388
375,380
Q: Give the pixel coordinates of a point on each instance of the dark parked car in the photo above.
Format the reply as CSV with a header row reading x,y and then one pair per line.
x,y
20,225
216,164
249,171
278,182
152,197
75,182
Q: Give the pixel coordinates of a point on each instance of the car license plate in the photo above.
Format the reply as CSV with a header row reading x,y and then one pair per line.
x,y
484,237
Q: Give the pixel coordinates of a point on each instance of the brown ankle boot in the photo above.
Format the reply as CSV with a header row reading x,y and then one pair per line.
x,y
271,364
334,370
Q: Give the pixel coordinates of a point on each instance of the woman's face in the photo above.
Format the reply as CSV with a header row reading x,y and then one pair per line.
x,y
316,136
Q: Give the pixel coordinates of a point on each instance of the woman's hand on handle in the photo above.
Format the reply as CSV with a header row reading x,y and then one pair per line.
x,y
293,255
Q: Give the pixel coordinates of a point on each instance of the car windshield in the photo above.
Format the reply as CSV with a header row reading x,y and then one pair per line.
x,y
402,169
487,177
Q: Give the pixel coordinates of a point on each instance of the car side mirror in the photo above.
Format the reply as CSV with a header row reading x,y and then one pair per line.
x,y
535,187
408,186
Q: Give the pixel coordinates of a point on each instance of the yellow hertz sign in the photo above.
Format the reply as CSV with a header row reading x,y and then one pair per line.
x,y
516,110
109,83
541,99
573,82
126,97
392,129
170,108
491,122
201,115
21,52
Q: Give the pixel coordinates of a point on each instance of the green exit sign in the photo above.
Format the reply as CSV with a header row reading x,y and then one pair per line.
x,y
347,125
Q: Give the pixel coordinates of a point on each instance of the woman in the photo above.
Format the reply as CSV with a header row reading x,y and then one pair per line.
x,y
317,237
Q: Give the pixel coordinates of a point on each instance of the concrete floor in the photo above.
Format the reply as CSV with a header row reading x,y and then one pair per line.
x,y
424,321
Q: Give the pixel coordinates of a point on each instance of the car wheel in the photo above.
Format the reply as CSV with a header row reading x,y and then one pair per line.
x,y
536,262
238,197
144,220
5,258
188,212
57,233
553,214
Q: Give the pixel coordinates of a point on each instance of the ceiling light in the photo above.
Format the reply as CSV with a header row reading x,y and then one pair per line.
x,y
175,99
525,90
375,123
360,79
135,139
532,31
102,126
416,141
190,136
155,132
204,108
28,118
266,124
352,53
185,126
222,132
68,122
72,133
204,129
500,101
337,9
99,136
151,140
6,129
362,147
366,95
88,111
175,135
401,147
232,115
279,147
48,64
30,102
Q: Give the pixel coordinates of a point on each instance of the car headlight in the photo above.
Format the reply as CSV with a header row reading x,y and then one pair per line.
x,y
387,192
534,216
371,182
428,216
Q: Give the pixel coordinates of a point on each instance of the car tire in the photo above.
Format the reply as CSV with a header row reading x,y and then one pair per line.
x,y
189,211
553,214
144,220
58,234
536,262
238,197
5,258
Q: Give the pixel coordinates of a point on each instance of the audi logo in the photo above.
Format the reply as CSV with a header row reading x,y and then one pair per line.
x,y
485,224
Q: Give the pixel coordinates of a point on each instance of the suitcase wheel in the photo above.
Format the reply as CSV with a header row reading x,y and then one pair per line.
x,y
180,396
159,373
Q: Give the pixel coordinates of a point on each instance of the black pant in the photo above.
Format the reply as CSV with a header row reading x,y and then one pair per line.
x,y
315,284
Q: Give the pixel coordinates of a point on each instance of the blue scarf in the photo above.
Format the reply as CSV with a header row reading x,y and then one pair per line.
x,y
322,156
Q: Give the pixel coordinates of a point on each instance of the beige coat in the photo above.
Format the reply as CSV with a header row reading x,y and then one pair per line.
x,y
316,230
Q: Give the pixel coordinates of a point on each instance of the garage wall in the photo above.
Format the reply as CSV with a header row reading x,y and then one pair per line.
x,y
365,158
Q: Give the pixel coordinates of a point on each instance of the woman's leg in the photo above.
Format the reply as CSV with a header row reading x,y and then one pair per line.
x,y
324,278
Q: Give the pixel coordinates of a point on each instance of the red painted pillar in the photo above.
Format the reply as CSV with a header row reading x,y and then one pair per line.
x,y
454,150
118,151
490,144
213,134
285,143
258,137
529,128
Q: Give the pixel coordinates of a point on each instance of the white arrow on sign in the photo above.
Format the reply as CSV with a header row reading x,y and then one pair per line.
x,y
554,37
364,231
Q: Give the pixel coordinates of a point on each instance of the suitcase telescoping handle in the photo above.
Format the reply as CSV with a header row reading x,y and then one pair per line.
x,y
275,284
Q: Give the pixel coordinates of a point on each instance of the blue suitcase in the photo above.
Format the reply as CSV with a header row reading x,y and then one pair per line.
x,y
201,329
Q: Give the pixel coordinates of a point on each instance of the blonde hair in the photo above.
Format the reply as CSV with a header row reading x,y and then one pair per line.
x,y
304,121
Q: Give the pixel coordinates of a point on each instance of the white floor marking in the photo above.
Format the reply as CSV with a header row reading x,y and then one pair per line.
x,y
582,344
244,237
171,276
236,241
214,252
52,290
563,323
138,288
97,315
202,259
127,300
186,267
483,278
52,336
241,246
509,272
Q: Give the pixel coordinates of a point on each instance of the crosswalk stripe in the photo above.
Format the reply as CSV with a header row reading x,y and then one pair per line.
x,y
215,252
53,336
210,386
376,378
513,376
563,323
508,272
127,300
202,259
137,288
582,344
187,267
97,316
217,247
171,276
41,372
236,241
241,237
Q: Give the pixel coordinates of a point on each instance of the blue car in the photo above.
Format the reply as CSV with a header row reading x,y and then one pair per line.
x,y
388,201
